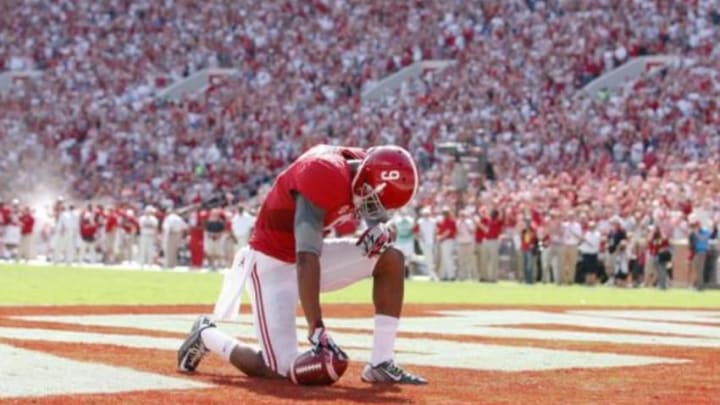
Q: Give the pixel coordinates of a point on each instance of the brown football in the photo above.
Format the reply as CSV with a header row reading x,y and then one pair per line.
x,y
323,368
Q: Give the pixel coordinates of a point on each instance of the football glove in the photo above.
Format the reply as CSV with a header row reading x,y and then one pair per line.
x,y
375,240
321,340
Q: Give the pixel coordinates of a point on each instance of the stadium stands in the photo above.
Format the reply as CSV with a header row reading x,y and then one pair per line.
x,y
92,126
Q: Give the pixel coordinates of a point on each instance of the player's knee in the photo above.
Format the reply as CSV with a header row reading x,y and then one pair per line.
x,y
392,260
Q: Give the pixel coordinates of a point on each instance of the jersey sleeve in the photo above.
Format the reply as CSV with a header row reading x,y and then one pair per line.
x,y
323,183
308,226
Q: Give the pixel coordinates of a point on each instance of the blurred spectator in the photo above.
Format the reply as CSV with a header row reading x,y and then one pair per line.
x,y
66,229
493,228
173,229
659,248
572,236
214,239
590,269
446,234
12,229
426,234
111,236
197,238
149,226
699,240
465,242
26,250
528,245
621,264
88,234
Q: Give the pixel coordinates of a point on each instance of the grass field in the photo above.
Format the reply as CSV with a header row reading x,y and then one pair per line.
x,y
57,285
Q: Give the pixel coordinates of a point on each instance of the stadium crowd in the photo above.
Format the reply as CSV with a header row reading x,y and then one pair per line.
x,y
92,128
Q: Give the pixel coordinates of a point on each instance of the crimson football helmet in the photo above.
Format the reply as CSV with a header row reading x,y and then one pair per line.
x,y
386,180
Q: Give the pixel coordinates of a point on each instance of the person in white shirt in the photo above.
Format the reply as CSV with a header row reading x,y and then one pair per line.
x,y
427,232
173,228
572,235
465,240
589,250
242,224
148,223
75,229
67,230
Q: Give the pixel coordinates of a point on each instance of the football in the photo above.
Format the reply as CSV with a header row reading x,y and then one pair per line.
x,y
323,368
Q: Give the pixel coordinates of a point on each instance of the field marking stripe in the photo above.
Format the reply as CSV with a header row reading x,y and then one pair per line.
x,y
34,373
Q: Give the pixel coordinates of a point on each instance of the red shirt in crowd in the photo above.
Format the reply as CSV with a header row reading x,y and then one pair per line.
x,y
479,234
447,225
111,221
494,228
27,223
88,226
658,244
5,214
130,224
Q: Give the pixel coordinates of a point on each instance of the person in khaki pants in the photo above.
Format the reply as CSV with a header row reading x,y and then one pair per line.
x,y
27,224
173,228
493,227
466,246
572,236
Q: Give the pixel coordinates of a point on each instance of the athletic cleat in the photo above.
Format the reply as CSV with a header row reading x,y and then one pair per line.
x,y
193,349
389,372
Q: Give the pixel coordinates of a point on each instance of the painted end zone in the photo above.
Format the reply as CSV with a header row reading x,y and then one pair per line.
x,y
70,355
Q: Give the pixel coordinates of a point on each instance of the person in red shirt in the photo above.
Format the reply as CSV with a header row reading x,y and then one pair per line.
x,y
446,233
4,222
110,239
659,248
27,225
196,244
288,260
88,234
492,226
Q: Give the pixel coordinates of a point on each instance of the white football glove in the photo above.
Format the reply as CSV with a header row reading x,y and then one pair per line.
x,y
374,241
321,340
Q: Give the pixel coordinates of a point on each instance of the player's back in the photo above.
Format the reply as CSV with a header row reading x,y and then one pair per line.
x,y
323,176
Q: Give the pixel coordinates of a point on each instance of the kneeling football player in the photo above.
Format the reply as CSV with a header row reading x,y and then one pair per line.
x,y
288,259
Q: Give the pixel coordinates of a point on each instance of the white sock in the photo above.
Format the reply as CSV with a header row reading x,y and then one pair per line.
x,y
383,339
218,342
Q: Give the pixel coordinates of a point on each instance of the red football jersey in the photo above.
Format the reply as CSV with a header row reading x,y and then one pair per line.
x,y
323,176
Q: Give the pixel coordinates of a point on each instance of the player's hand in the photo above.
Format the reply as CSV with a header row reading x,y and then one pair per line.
x,y
321,340
374,241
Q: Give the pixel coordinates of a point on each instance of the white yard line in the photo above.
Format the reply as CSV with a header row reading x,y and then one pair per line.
x,y
25,373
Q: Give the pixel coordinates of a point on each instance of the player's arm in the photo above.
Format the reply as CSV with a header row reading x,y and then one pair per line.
x,y
308,247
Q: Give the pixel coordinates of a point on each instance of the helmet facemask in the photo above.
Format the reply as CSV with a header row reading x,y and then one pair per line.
x,y
369,206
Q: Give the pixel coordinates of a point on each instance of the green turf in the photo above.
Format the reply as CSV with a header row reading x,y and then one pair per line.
x,y
56,285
